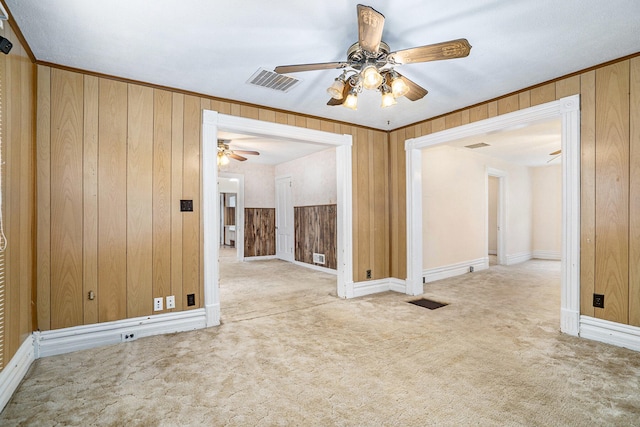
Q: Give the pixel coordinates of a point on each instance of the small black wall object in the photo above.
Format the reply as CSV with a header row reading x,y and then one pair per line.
x,y
5,45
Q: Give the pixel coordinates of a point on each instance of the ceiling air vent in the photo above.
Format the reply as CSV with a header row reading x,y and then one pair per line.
x,y
478,145
271,80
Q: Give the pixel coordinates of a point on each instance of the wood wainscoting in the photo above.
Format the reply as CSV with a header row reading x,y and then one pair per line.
x,y
316,232
259,232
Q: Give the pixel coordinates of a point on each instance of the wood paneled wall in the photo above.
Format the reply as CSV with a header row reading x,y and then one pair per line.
x,y
610,179
259,232
18,193
316,231
114,160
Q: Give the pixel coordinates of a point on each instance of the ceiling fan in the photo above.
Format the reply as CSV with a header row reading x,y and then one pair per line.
x,y
556,153
370,64
225,153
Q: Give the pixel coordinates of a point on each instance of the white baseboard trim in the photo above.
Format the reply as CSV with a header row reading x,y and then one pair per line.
x,y
397,285
452,270
551,255
15,371
518,258
316,267
60,341
371,287
608,332
259,258
213,314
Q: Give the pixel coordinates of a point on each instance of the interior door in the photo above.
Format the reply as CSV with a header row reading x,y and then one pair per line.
x,y
284,219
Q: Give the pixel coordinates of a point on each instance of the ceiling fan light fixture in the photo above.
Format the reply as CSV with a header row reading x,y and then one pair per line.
x,y
222,160
351,101
398,86
336,89
387,98
371,77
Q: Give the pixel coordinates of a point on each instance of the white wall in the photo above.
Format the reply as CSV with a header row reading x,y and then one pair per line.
x,y
455,209
259,183
313,178
547,211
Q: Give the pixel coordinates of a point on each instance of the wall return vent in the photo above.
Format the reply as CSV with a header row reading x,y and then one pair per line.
x,y
271,80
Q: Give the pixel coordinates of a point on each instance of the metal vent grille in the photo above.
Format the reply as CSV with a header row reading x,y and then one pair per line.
x,y
271,80
478,145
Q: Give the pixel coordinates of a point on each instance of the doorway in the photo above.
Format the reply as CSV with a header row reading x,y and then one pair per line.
x,y
496,216
214,122
568,111
284,219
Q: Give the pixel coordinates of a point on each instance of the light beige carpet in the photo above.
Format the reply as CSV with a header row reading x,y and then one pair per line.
x,y
290,353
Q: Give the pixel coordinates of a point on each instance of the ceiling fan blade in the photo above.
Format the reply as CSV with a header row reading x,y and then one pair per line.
x,y
370,26
415,90
553,158
253,153
285,69
434,52
236,157
555,152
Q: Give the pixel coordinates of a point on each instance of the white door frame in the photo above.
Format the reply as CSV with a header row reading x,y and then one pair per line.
x,y
502,213
239,211
286,256
568,110
212,122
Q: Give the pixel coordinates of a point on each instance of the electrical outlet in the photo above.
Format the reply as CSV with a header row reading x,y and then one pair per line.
x,y
157,304
128,336
368,274
171,302
191,299
598,300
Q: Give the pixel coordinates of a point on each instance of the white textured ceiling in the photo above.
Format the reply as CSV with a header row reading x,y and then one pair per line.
x,y
213,47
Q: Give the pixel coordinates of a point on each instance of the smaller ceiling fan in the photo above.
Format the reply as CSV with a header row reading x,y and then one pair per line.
x,y
225,153
370,64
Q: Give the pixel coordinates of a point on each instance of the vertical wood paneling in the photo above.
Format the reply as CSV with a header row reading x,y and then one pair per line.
x,y
177,154
543,94
634,195
438,125
453,120
492,108
259,232
191,190
139,201
27,207
43,182
397,204
567,87
587,192
18,192
315,232
11,128
478,113
508,104
90,202
112,200
612,195
381,205
66,198
362,221
162,193
524,99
